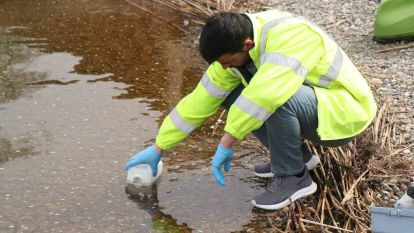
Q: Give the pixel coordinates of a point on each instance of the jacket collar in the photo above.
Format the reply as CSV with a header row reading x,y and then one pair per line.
x,y
257,28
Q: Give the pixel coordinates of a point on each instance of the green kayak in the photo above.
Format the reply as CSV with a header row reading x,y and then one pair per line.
x,y
394,20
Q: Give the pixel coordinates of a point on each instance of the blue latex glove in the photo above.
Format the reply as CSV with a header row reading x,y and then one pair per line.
x,y
148,156
222,157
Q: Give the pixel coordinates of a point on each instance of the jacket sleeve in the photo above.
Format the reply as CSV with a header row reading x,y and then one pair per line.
x,y
215,85
290,53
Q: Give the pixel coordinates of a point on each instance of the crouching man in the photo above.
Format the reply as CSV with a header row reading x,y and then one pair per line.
x,y
281,78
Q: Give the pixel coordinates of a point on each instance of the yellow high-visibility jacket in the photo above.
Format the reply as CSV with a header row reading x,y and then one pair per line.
x,y
288,52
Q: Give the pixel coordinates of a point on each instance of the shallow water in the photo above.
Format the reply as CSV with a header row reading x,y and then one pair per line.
x,y
84,85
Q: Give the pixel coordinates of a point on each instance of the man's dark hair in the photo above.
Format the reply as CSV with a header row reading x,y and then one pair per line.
x,y
223,33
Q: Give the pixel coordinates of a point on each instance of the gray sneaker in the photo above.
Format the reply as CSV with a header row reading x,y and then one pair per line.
x,y
264,169
284,190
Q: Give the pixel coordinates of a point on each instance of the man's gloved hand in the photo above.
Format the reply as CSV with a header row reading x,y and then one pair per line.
x,y
221,157
148,156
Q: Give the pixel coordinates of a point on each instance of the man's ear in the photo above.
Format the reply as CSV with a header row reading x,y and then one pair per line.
x,y
248,43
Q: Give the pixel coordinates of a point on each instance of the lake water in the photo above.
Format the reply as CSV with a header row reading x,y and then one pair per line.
x,y
84,85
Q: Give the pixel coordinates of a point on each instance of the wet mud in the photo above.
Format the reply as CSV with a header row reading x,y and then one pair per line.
x,y
84,85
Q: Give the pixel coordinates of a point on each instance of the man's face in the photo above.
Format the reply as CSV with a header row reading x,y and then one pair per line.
x,y
236,59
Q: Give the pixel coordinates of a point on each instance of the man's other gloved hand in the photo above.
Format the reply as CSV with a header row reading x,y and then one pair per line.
x,y
222,157
148,156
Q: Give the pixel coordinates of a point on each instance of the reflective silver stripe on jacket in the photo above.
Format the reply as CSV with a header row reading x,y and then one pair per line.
x,y
212,88
266,29
278,58
333,71
251,108
180,123
324,80
283,60
236,72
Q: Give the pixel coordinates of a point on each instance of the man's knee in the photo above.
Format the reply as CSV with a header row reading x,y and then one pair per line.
x,y
305,95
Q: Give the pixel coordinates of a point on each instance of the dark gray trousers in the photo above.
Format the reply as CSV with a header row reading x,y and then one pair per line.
x,y
283,132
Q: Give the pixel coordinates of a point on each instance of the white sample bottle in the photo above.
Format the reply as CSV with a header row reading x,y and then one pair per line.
x,y
141,175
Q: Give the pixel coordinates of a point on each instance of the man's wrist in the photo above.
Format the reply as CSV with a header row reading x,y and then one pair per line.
x,y
227,140
157,149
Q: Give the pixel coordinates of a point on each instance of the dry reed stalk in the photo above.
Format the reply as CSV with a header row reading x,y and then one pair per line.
x,y
378,120
199,8
168,4
323,204
357,200
157,16
384,119
396,48
328,207
324,225
386,176
293,216
349,194
318,207
401,150
351,217
319,180
216,125
300,209
273,226
336,24
335,184
392,133
289,222
230,6
323,171
343,183
347,223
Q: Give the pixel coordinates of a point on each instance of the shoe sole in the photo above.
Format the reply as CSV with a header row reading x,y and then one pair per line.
x,y
311,164
298,194
264,175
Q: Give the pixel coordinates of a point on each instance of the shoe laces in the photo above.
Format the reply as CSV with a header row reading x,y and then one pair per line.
x,y
279,180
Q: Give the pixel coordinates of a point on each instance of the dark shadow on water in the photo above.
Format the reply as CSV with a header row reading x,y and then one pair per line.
x,y
56,82
146,199
14,149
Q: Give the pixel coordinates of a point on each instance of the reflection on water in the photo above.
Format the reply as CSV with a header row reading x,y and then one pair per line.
x,y
15,50
147,199
9,151
113,37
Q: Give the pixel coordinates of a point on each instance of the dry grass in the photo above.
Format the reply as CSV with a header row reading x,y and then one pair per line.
x,y
353,177
199,8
